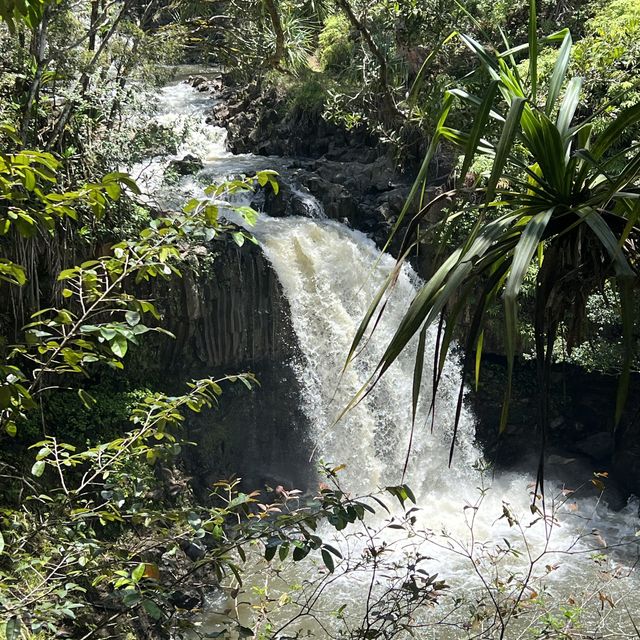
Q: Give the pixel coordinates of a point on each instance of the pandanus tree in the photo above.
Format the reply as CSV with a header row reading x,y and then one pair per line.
x,y
560,198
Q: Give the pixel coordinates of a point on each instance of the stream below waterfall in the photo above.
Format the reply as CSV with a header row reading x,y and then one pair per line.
x,y
475,530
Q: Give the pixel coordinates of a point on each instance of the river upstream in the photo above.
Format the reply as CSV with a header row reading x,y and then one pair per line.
x,y
511,573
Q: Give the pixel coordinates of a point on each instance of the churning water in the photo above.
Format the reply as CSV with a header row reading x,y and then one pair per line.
x,y
475,530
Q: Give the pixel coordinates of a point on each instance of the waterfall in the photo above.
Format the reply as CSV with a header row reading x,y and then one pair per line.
x,y
329,275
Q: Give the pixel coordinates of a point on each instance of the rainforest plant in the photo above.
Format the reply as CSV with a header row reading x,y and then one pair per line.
x,y
559,199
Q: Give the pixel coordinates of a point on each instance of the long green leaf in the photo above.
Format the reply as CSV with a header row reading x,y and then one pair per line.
x,y
533,51
557,36
608,240
417,383
479,125
507,138
475,100
440,289
424,169
522,256
487,60
568,108
525,250
419,81
367,318
417,373
559,72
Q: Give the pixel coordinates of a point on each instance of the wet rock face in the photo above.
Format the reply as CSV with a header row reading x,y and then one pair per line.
x,y
581,437
349,173
233,318
367,197
260,122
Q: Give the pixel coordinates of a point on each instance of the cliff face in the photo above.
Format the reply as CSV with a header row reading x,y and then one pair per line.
x,y
232,317
228,313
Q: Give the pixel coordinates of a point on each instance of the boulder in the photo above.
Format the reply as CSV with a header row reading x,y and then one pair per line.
x,y
598,447
288,202
196,81
186,166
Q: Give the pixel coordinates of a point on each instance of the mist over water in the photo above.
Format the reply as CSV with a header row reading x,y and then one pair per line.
x,y
330,274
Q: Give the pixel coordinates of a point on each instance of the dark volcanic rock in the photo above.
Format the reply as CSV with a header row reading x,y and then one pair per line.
x,y
186,166
580,441
259,121
289,201
234,318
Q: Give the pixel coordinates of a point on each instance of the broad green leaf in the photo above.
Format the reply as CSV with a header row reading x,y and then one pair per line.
x,y
13,628
327,558
138,572
132,318
38,468
119,345
238,238
87,399
152,609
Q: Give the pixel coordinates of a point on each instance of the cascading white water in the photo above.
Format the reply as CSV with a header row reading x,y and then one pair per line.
x,y
329,275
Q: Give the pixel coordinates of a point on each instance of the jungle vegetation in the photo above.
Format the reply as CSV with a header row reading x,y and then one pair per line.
x,y
531,112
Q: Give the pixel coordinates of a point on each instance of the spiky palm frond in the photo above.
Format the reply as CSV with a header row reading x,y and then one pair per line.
x,y
556,191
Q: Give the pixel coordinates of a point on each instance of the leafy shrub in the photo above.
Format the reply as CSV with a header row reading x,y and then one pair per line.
x,y
609,55
309,95
73,421
335,45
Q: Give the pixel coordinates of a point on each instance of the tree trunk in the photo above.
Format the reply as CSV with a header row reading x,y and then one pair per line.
x,y
38,51
84,80
274,15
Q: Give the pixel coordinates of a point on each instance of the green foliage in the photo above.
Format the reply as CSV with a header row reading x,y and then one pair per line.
x,y
100,413
556,193
335,45
608,56
66,82
31,204
29,12
101,318
100,523
71,540
254,44
309,95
